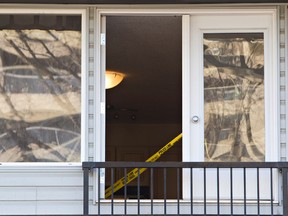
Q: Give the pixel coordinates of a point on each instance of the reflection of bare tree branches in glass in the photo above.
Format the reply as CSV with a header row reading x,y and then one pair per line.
x,y
42,71
40,87
28,140
234,97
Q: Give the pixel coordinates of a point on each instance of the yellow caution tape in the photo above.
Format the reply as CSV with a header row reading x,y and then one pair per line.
x,y
134,173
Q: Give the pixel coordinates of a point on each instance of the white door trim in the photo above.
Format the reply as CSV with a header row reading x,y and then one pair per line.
x,y
188,109
228,23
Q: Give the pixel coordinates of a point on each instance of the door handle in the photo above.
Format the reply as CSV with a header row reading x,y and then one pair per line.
x,y
195,119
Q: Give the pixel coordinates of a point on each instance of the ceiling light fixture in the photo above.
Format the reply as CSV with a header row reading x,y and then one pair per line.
x,y
113,79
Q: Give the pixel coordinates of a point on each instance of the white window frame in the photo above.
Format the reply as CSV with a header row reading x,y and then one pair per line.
x,y
30,10
272,93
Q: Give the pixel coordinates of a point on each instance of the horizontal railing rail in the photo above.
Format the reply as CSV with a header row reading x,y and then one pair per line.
x,y
226,186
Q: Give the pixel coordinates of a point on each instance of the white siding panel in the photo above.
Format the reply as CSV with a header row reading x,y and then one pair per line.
x,y
282,108
282,52
282,37
282,150
18,207
91,149
282,93
61,193
59,207
283,82
58,193
283,136
282,122
92,83
41,179
282,66
18,193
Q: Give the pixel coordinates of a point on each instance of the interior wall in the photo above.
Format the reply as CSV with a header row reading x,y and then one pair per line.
x,y
143,139
143,113
138,142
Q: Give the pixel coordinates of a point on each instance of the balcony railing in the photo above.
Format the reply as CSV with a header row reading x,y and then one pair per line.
x,y
199,188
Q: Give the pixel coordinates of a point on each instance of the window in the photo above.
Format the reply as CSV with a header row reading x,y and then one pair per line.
x,y
40,88
234,97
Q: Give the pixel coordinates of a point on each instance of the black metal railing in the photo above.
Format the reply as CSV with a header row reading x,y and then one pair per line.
x,y
210,188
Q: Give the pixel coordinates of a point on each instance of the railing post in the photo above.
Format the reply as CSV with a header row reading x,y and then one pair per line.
x,y
285,191
86,191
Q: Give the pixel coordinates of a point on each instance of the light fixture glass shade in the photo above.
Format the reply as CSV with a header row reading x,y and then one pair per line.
x,y
113,79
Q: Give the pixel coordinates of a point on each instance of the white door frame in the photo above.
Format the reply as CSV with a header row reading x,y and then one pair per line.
x,y
233,22
188,111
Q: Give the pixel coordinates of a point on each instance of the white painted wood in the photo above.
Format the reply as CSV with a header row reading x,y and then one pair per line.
x,y
18,193
186,109
59,207
48,193
84,84
285,67
59,193
42,10
186,68
100,68
99,124
72,193
180,10
229,23
42,193
102,71
40,179
18,207
237,23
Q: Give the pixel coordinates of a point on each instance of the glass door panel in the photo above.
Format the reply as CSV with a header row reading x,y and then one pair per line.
x,y
232,94
234,122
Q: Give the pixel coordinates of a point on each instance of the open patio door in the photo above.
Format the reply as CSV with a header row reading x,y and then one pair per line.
x,y
144,112
233,99
226,90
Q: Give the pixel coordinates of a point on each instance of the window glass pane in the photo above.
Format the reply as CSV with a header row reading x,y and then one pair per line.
x,y
234,97
40,88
